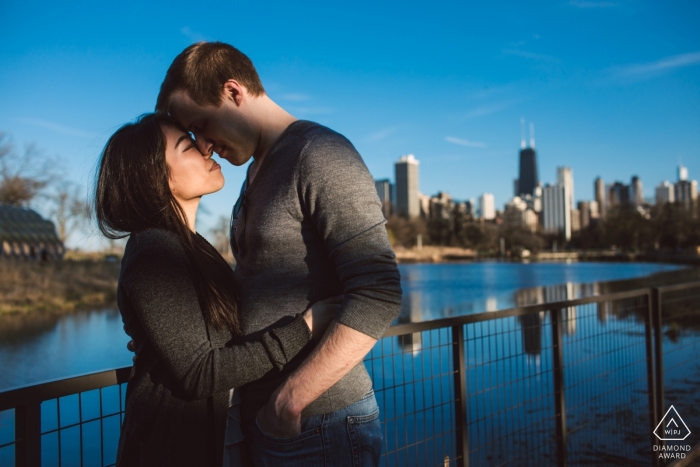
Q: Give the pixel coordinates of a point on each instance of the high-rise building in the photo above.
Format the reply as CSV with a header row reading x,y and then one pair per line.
x,y
565,178
665,193
599,190
470,207
406,170
441,206
384,191
423,205
686,193
595,209
584,209
618,193
682,173
519,214
636,191
528,177
487,206
556,214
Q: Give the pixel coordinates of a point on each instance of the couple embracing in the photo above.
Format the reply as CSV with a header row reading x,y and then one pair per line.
x,y
260,365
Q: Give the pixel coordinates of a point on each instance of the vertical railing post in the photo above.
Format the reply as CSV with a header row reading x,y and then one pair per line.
x,y
657,322
651,376
559,401
28,435
460,383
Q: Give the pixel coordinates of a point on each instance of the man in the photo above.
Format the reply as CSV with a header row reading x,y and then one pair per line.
x,y
308,225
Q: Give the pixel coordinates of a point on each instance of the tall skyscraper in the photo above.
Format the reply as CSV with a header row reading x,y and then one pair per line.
x,y
565,178
618,193
384,189
584,209
665,193
487,206
599,190
636,191
686,193
406,170
682,173
528,177
556,214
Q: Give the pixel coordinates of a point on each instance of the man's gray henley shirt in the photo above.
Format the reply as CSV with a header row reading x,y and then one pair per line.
x,y
311,227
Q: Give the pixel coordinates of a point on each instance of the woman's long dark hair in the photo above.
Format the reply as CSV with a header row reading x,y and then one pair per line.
x,y
133,194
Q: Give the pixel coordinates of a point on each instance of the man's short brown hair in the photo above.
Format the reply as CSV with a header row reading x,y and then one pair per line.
x,y
201,71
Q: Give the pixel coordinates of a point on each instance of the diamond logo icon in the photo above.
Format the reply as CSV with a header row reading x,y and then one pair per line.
x,y
672,427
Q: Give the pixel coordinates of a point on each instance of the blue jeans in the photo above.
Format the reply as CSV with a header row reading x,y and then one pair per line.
x,y
349,437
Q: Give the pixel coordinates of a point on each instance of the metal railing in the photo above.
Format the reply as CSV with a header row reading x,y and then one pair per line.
x,y
564,383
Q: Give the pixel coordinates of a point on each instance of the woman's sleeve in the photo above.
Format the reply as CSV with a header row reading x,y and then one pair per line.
x,y
157,283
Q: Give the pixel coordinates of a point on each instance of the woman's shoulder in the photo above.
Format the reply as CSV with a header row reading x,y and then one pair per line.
x,y
152,243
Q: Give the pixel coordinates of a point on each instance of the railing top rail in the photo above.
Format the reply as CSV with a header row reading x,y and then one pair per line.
x,y
410,328
37,393
677,287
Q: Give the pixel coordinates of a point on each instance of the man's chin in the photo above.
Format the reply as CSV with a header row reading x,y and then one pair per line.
x,y
232,159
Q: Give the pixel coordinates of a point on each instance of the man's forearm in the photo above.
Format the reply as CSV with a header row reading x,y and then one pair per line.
x,y
340,349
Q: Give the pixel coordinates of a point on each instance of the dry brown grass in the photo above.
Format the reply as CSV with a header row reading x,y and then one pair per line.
x,y
57,286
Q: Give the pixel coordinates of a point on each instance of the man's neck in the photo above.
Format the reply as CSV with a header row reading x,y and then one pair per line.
x,y
273,120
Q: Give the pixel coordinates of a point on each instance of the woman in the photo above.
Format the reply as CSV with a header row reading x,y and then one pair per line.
x,y
177,299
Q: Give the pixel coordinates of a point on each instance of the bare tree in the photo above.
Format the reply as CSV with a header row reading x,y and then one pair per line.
x,y
69,209
23,176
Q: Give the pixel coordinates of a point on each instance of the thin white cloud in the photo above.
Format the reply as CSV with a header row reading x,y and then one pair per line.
x,y
192,35
648,70
487,109
464,142
588,4
530,55
381,134
295,97
37,122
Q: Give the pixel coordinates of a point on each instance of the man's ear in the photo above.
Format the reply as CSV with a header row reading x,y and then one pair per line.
x,y
234,91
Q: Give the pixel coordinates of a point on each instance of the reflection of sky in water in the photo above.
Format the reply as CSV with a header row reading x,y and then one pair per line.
x,y
464,288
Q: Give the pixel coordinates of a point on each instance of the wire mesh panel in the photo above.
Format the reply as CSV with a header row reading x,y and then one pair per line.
x,y
680,319
608,412
510,415
414,385
82,429
76,430
7,437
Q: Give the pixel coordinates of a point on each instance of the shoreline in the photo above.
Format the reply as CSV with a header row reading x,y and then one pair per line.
x,y
433,255
69,286
56,287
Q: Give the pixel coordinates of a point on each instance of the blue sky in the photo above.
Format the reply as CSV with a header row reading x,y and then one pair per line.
x,y
612,86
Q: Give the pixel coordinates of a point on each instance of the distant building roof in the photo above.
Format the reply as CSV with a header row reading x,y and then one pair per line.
x,y
22,229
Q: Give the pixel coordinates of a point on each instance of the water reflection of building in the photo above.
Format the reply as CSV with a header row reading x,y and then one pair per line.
x,y
561,293
491,304
411,312
531,323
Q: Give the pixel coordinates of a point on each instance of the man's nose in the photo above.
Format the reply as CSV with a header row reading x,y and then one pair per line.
x,y
204,144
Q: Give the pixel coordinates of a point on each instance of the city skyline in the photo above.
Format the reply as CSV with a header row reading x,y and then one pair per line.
x,y
601,191
610,85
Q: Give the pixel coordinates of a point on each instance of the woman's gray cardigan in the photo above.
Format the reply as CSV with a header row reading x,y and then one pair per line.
x,y
178,393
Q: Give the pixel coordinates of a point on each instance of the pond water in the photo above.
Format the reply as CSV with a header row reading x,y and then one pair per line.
x,y
41,348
